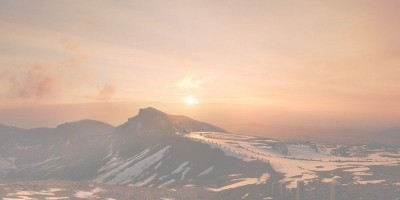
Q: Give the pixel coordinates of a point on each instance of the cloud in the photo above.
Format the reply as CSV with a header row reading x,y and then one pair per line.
x,y
106,91
44,79
37,82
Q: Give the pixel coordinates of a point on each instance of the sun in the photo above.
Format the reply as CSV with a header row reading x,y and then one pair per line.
x,y
190,101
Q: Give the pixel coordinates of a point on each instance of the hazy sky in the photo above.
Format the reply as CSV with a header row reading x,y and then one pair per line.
x,y
330,64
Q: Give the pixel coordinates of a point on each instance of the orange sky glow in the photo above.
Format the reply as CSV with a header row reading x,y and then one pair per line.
x,y
271,65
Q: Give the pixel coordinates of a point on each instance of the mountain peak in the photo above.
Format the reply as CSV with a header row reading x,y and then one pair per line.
x,y
151,120
150,111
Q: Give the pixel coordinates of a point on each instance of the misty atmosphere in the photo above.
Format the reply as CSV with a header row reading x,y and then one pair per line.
x,y
199,100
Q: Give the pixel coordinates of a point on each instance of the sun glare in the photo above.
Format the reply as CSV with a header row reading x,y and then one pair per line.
x,y
190,101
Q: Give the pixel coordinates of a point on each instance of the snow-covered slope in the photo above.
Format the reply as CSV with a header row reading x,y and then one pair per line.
x,y
150,150
308,161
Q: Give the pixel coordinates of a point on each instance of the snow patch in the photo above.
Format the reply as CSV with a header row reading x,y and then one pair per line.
x,y
146,181
180,168
243,182
88,194
208,170
166,184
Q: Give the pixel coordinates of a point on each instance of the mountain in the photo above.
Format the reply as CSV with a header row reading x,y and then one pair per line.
x,y
157,150
150,149
150,121
390,132
43,153
8,129
84,126
390,136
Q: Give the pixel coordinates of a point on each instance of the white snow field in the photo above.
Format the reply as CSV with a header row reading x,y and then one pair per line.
x,y
92,194
296,161
243,182
48,194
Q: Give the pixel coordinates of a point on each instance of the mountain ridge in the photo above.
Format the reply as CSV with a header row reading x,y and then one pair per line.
x,y
151,120
147,115
144,151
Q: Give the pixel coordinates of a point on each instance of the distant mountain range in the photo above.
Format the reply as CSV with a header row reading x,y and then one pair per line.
x,y
390,136
147,150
